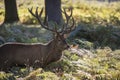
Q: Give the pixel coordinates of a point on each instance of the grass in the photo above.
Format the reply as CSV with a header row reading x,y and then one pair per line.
x,y
97,56
103,66
83,12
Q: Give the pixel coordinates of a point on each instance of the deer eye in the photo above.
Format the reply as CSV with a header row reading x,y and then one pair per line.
x,y
59,40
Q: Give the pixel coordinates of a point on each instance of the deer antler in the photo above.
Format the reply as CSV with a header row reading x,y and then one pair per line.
x,y
65,29
38,17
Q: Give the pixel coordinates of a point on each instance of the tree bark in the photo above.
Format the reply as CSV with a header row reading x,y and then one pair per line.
x,y
53,10
11,14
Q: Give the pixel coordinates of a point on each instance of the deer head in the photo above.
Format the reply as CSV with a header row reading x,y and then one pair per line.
x,y
59,37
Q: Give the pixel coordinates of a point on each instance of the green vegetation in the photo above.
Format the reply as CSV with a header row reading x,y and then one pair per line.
x,y
105,65
97,56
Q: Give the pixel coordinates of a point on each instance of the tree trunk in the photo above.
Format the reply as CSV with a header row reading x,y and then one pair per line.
x,y
53,10
11,14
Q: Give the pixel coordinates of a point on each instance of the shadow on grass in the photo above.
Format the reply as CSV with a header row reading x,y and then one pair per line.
x,y
24,33
100,35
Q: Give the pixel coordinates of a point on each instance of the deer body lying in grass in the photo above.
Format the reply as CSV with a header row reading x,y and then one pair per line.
x,y
36,54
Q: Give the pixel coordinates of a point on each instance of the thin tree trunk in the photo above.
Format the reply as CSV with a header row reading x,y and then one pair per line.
x,y
11,14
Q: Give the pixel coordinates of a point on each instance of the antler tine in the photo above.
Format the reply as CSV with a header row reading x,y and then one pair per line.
x,y
71,28
30,10
66,15
38,17
67,18
71,12
67,29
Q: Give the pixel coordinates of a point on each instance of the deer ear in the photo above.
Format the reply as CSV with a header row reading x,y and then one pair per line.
x,y
74,46
66,35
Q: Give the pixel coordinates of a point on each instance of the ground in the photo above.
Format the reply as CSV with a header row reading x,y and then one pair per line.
x,y
95,52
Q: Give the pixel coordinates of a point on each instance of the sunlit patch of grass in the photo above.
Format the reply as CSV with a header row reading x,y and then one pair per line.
x,y
82,12
91,14
41,74
1,15
26,17
4,76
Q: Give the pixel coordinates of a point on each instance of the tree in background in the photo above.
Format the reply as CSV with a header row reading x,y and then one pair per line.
x,y
11,14
53,10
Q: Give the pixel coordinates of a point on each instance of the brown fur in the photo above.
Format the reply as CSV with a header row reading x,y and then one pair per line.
x,y
30,54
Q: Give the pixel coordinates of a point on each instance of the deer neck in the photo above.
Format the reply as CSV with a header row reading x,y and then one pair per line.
x,y
53,48
53,51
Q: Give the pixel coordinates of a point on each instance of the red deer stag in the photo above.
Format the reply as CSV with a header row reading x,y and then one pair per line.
x,y
38,55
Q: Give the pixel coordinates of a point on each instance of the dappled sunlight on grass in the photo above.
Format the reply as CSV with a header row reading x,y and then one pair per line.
x,y
96,56
103,66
